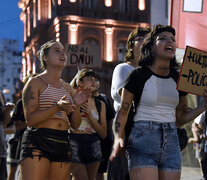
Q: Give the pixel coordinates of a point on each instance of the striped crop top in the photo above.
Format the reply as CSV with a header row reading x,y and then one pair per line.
x,y
51,96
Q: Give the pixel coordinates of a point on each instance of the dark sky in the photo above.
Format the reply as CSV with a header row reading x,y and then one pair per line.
x,y
10,25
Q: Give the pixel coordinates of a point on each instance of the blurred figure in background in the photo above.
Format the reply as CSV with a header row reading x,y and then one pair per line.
x,y
5,118
85,141
106,144
199,141
118,169
18,120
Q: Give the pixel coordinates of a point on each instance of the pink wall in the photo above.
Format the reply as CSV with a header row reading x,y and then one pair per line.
x,y
191,28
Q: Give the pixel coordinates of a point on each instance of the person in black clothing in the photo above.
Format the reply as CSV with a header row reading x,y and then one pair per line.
x,y
118,168
106,144
4,120
18,120
15,142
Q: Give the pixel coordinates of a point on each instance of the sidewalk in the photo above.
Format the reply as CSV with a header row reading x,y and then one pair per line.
x,y
190,173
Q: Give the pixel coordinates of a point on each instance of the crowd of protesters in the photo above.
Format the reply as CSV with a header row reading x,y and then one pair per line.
x,y
64,130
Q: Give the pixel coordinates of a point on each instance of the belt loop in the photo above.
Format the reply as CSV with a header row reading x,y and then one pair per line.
x,y
150,125
171,125
163,126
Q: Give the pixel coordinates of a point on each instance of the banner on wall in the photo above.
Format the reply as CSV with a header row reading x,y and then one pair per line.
x,y
193,73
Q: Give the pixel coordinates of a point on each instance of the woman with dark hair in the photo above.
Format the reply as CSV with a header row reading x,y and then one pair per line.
x,y
85,141
51,107
153,150
131,61
5,119
14,144
118,168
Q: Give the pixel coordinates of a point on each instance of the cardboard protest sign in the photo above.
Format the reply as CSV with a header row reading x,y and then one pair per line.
x,y
193,73
83,56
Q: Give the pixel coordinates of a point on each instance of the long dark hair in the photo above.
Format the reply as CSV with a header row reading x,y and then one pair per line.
x,y
147,56
140,31
81,74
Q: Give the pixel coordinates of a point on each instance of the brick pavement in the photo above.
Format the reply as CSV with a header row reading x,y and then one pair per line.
x,y
189,173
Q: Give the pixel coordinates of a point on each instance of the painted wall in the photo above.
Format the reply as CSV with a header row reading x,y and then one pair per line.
x,y
191,27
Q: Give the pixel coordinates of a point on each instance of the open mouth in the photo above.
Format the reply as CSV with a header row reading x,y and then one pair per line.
x,y
169,48
62,59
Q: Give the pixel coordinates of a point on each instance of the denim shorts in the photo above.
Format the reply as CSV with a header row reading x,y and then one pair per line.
x,y
85,148
154,144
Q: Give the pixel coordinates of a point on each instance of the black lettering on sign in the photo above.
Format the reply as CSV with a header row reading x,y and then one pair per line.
x,y
84,50
82,59
73,59
195,78
197,59
88,60
73,48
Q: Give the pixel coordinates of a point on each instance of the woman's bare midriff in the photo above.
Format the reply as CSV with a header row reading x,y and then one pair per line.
x,y
57,124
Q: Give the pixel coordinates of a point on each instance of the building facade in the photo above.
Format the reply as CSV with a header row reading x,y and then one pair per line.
x,y
104,23
10,68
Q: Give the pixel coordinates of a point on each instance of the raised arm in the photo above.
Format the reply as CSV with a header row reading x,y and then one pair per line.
x,y
100,127
79,97
7,117
75,118
184,114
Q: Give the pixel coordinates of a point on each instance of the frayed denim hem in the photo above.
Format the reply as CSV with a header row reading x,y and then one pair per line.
x,y
143,166
154,166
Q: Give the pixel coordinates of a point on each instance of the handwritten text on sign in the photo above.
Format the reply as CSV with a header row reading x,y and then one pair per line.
x,y
81,55
193,74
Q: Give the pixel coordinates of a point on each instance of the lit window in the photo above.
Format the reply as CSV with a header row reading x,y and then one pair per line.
x,y
89,3
141,5
108,3
122,50
124,6
90,41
